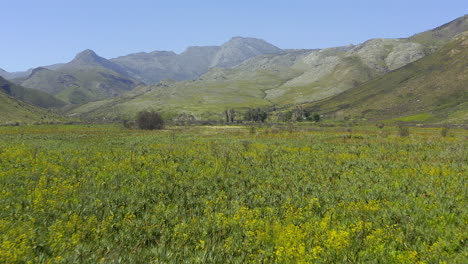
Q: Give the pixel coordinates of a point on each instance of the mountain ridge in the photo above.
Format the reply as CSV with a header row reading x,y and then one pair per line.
x,y
194,61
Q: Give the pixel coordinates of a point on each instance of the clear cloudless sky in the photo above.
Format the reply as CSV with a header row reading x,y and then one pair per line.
x,y
35,33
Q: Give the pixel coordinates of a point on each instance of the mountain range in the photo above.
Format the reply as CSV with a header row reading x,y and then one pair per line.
x,y
249,72
156,66
87,77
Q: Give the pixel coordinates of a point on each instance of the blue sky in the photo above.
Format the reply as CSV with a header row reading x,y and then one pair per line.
x,y
35,33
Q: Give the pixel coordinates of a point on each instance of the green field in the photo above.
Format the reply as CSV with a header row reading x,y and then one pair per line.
x,y
105,194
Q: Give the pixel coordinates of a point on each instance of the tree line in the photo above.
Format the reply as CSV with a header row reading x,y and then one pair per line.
x,y
152,120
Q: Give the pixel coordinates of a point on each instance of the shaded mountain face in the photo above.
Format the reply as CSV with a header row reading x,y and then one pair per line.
x,y
87,77
13,110
196,61
153,67
31,96
52,82
159,65
432,89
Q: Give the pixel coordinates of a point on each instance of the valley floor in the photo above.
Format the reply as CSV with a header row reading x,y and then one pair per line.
x,y
105,194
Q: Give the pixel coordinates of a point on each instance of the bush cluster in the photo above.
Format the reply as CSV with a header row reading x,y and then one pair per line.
x,y
150,120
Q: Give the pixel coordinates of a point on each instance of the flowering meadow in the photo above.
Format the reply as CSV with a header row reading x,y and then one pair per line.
x,y
105,194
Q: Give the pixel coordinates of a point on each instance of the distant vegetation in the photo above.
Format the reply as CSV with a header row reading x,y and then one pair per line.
x,y
256,115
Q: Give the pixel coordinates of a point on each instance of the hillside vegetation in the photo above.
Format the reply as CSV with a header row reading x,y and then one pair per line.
x,y
87,77
14,111
432,89
32,96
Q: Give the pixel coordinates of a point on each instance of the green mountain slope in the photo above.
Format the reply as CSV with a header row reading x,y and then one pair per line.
x,y
86,78
13,110
32,96
432,89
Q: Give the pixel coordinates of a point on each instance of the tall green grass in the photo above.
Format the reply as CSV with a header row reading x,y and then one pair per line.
x,y
94,194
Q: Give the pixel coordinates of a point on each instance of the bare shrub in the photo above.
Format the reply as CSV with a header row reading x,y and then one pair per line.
x,y
128,124
403,131
444,131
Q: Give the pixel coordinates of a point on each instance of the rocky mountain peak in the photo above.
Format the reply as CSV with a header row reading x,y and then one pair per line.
x,y
88,59
87,56
238,49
